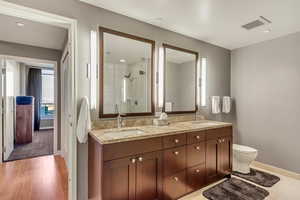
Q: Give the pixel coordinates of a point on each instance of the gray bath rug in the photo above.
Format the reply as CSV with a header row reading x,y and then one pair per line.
x,y
259,177
235,189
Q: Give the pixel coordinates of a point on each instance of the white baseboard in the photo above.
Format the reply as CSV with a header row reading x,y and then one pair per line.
x,y
277,170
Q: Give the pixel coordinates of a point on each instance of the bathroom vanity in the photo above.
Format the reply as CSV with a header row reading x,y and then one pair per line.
x,y
151,163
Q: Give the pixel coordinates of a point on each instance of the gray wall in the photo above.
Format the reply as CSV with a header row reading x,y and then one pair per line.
x,y
266,87
13,49
90,17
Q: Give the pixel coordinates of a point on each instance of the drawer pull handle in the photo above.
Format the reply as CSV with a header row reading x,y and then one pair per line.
x,y
176,153
133,160
198,137
176,141
197,171
176,178
141,159
197,148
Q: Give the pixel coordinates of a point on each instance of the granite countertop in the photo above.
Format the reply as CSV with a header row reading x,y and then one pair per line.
x,y
115,135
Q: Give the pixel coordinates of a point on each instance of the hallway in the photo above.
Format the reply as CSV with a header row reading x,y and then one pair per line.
x,y
34,179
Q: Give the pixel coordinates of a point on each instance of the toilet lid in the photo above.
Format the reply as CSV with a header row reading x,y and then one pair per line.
x,y
242,148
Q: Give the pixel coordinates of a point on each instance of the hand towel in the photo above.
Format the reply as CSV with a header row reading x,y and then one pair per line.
x,y
226,104
215,104
84,124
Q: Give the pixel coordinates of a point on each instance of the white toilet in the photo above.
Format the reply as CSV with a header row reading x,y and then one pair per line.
x,y
242,158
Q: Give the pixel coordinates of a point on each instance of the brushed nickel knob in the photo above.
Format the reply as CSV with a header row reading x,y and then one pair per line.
x,y
223,140
133,160
176,178
140,159
176,153
176,140
219,140
197,147
198,137
197,171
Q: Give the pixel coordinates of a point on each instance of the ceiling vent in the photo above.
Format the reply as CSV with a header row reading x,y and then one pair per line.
x,y
256,23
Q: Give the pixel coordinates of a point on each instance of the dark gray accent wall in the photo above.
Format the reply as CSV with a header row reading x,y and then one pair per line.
x,y
90,17
14,49
266,87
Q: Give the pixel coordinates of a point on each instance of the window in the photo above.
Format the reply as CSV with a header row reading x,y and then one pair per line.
x,y
47,104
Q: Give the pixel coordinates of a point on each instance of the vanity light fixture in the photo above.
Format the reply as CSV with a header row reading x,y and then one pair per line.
x,y
160,78
122,60
93,70
124,90
203,81
20,24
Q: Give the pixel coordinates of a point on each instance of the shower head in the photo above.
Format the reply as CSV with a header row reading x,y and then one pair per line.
x,y
127,76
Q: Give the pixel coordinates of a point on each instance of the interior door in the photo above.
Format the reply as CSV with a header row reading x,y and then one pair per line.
x,y
66,99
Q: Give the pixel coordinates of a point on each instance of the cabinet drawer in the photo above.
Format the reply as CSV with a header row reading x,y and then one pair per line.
x,y
174,160
219,132
195,178
175,186
195,154
174,140
195,137
124,149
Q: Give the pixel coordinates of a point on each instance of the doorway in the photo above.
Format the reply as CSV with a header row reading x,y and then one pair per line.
x,y
29,96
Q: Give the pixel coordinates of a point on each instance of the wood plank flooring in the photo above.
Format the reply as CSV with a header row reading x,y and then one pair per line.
x,y
41,178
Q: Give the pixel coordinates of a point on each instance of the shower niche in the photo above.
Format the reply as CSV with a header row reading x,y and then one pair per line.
x,y
126,65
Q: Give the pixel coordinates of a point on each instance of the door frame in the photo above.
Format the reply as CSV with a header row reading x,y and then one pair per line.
x,y
15,10
54,63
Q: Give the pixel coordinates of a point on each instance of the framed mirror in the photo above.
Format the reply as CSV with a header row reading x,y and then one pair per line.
x,y
126,74
180,69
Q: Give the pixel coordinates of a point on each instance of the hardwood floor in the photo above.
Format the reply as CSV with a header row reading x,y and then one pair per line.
x,y
34,179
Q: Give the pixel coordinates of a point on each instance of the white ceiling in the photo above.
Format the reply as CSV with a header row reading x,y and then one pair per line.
x,y
33,33
215,21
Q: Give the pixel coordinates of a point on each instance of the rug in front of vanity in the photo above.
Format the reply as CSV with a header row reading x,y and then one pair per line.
x,y
235,189
259,177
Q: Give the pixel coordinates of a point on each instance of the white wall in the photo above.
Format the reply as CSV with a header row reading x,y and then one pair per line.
x,y
90,17
266,87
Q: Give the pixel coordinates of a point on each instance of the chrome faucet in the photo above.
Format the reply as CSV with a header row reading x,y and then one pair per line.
x,y
119,118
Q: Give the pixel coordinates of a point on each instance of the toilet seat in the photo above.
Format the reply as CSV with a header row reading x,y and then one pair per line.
x,y
243,149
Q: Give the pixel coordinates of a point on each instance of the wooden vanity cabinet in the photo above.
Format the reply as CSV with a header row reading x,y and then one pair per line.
x,y
218,154
160,168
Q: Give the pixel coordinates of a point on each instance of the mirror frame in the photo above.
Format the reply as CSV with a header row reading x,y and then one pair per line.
x,y
103,30
165,47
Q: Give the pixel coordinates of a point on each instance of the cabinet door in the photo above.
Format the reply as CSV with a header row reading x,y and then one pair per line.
x,y
119,179
212,160
149,176
224,156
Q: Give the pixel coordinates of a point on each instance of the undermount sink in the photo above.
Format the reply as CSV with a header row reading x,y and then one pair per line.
x,y
125,133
